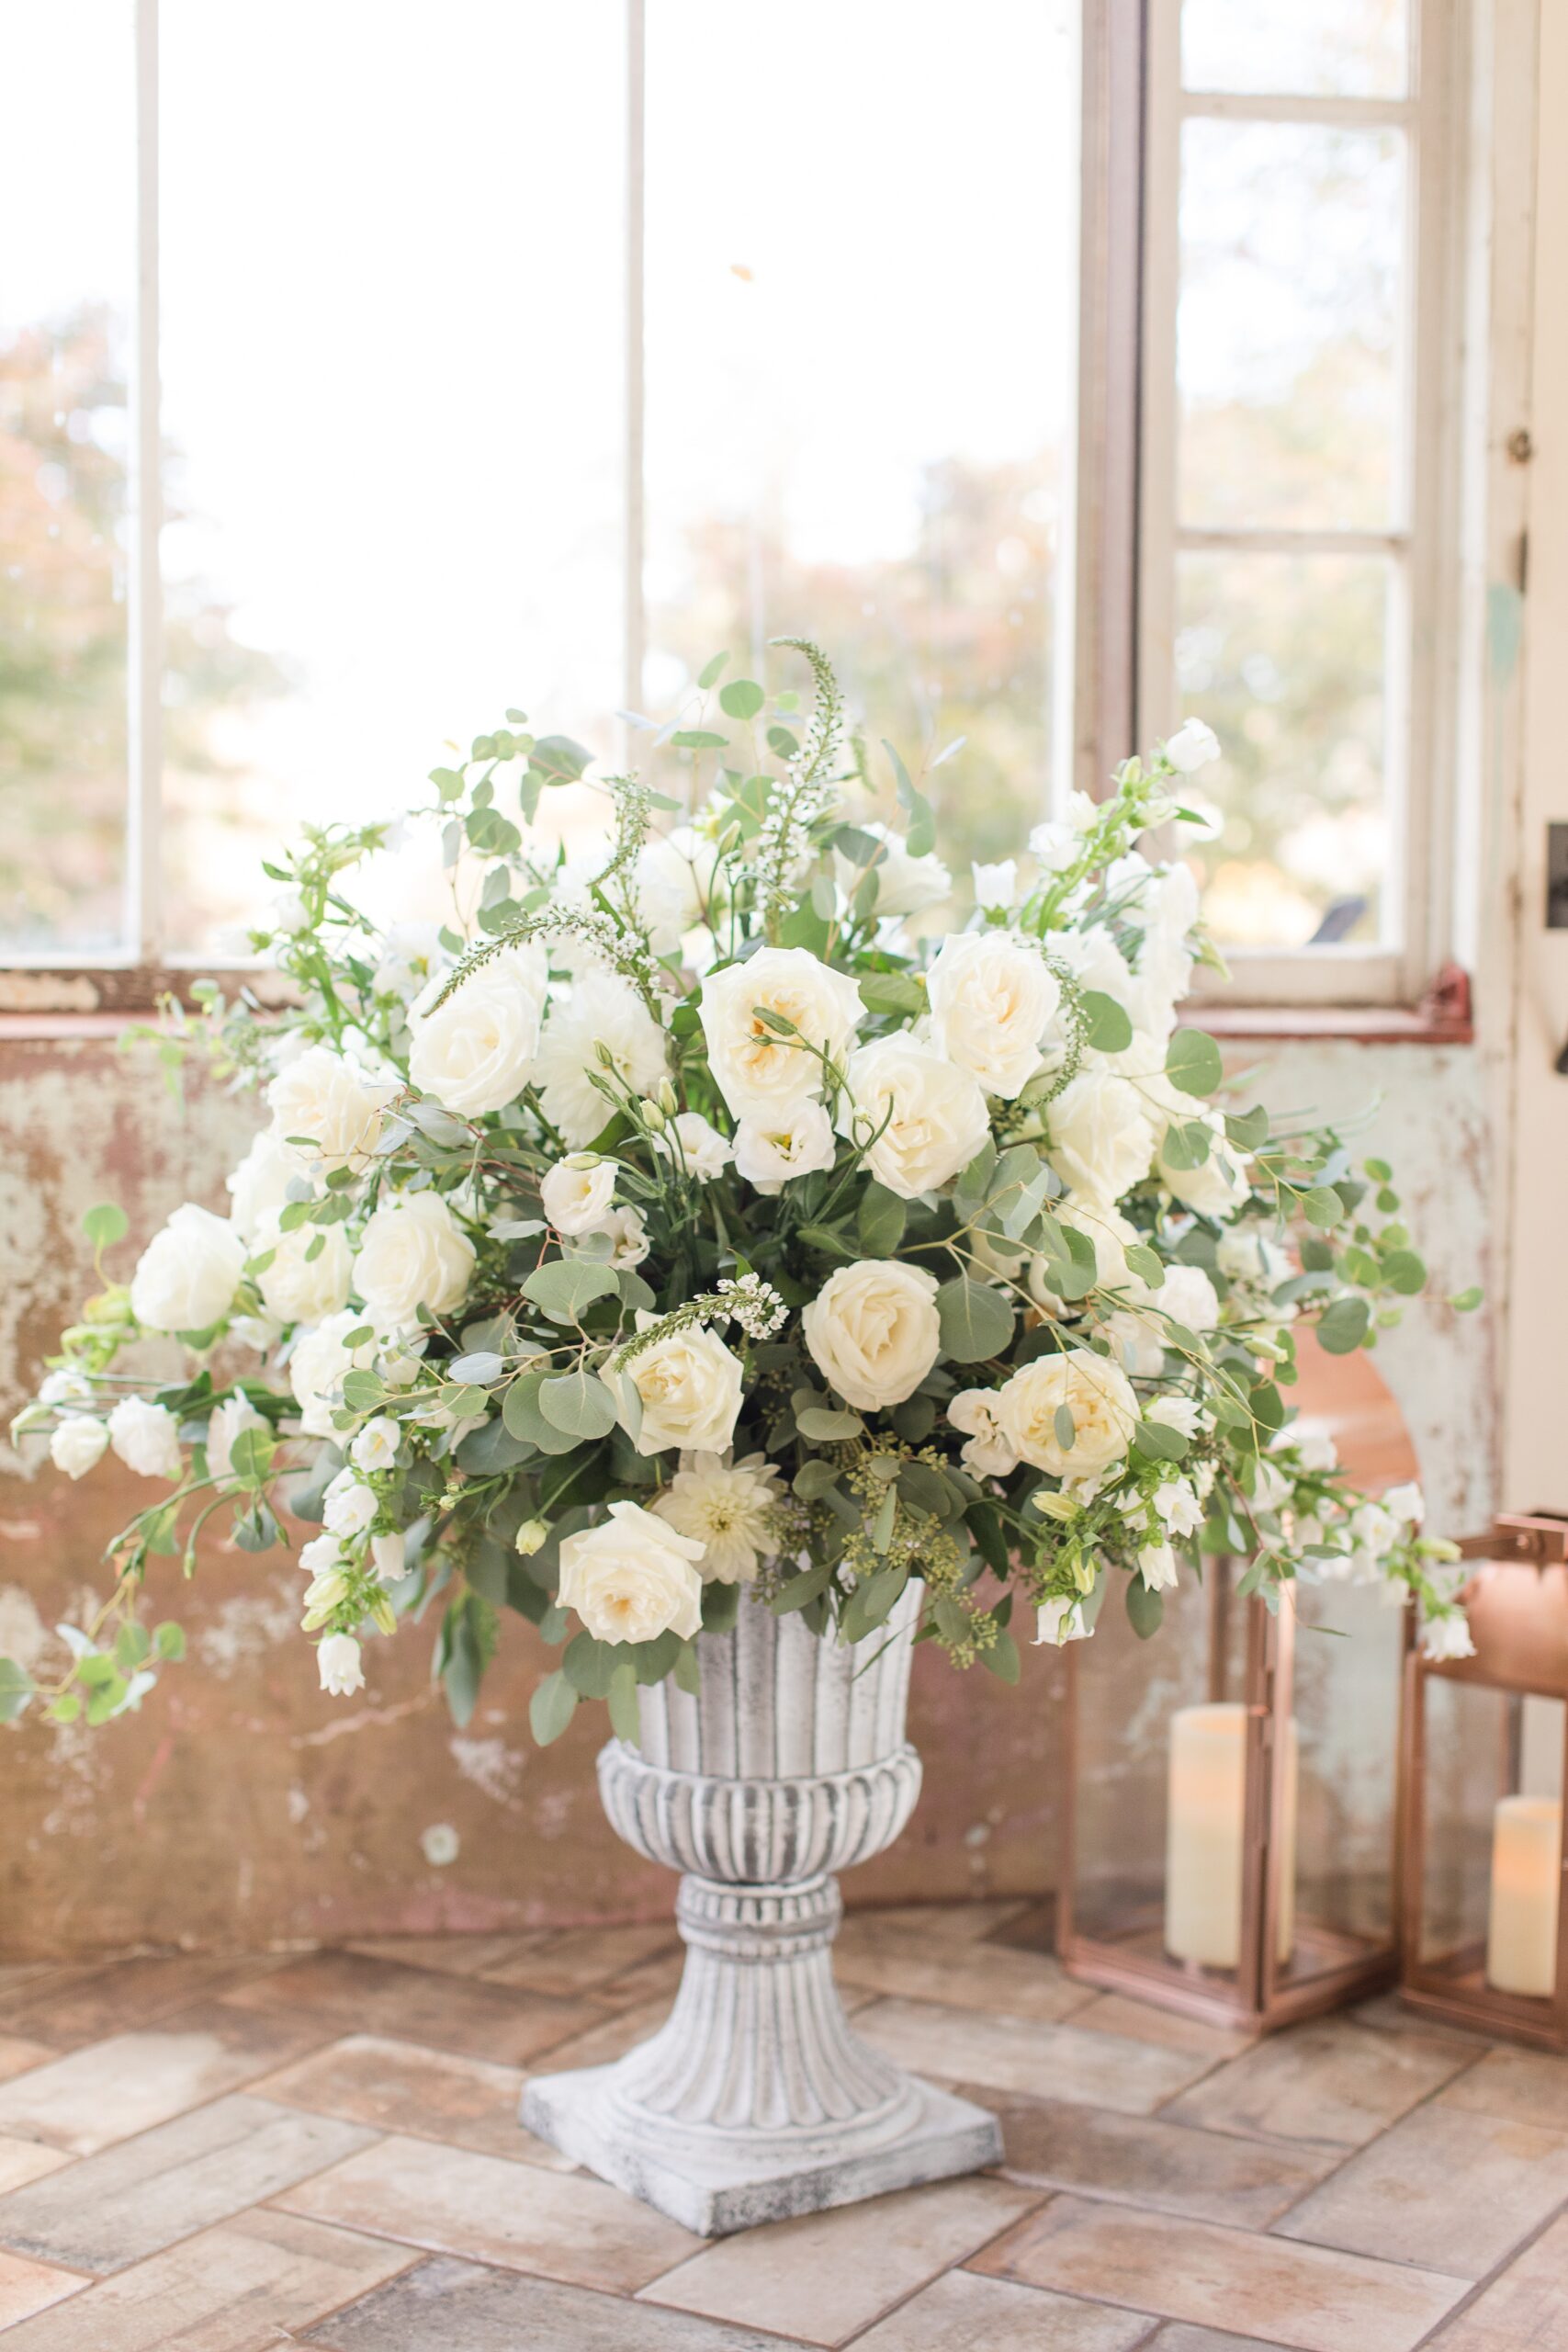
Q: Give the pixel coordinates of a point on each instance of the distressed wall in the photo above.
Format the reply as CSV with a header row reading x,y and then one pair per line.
x,y
243,1806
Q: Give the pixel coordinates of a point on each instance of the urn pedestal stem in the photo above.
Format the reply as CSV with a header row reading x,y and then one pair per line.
x,y
755,2099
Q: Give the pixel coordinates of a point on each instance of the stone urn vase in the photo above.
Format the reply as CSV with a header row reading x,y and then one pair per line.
x,y
755,2099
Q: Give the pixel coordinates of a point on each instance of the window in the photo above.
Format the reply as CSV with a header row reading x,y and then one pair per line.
x,y
1294,395
366,370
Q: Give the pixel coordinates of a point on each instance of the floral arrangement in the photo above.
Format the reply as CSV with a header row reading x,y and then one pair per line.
x,y
676,1220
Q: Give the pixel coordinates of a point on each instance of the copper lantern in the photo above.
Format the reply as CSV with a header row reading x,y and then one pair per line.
x,y
1230,1802
1484,1873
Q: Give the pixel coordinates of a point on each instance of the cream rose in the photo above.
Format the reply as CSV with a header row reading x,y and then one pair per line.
x,y
317,1366
995,1005
923,1117
1096,1392
333,1107
296,1288
771,1150
690,1384
78,1444
601,1012
475,1053
1101,1140
146,1437
632,1577
188,1273
577,1193
412,1255
758,1072
872,1331
990,1452
259,1186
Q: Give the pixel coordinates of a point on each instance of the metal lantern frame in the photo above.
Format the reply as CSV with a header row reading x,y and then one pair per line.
x,y
1262,1994
1517,1606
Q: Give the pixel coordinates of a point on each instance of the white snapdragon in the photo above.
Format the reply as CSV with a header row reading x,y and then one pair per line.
x,y
995,886
349,1507
389,1555
1446,1637
375,1447
1059,1620
339,1667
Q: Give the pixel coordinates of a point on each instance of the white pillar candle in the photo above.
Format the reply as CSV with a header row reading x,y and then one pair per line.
x,y
1205,1835
1527,1885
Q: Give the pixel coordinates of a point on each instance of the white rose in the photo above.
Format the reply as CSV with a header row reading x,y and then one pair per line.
x,y
1187,1295
376,1446
1100,1141
332,1106
728,1508
77,1445
317,1367
1058,1622
259,1186
694,1146
338,1662
771,1150
576,1194
995,1004
990,1452
475,1052
146,1437
928,1118
412,1255
389,1555
904,884
1216,1187
1097,963
758,1072
188,1273
1192,746
1096,1392
995,886
633,1578
603,1011
873,1331
690,1384
349,1507
296,1288
225,1423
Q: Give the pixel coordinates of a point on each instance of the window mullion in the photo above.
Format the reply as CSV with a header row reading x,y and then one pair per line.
x,y
1159,421
145,682
635,632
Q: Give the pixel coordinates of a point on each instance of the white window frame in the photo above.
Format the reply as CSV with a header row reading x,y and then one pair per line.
x,y
1420,679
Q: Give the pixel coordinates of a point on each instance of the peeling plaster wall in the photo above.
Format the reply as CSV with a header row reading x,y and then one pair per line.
x,y
243,1806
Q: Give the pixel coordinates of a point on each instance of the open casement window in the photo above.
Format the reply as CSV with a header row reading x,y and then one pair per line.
x,y
1296,546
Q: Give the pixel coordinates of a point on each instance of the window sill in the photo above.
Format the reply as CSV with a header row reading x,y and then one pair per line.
x,y
1442,1018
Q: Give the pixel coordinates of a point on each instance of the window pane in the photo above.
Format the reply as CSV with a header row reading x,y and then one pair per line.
x,y
393,366
1296,48
67,191
860,342
1289,325
1285,656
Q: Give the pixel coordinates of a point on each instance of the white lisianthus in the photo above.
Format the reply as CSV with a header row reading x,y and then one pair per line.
x,y
758,1071
188,1273
577,1192
1157,1565
690,1384
389,1555
695,1146
628,1237
1059,1620
78,1444
728,1508
769,1150
147,1437
317,1366
995,886
1405,1503
990,1452
1100,1140
1056,844
1216,1187
603,1011
475,1053
65,1386
259,1186
331,1105
1446,1637
348,1507
873,1331
412,1255
995,1004
376,1446
904,884
632,1577
296,1288
1097,1395
338,1663
921,1117
225,1423
1192,746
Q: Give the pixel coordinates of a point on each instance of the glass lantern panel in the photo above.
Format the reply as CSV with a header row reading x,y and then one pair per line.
x,y
1341,1766
1159,1780
1491,1800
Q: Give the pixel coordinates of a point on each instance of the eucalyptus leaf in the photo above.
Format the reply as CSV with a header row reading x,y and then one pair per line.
x,y
976,1321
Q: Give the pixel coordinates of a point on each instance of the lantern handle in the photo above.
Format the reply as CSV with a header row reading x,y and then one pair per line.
x,y
1535,1539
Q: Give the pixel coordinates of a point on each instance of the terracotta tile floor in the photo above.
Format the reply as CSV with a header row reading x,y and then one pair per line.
x,y
322,2150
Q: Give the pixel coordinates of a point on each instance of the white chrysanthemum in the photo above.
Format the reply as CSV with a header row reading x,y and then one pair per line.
x,y
728,1508
602,1010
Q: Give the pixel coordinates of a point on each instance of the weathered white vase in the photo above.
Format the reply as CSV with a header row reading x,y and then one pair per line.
x,y
755,2099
